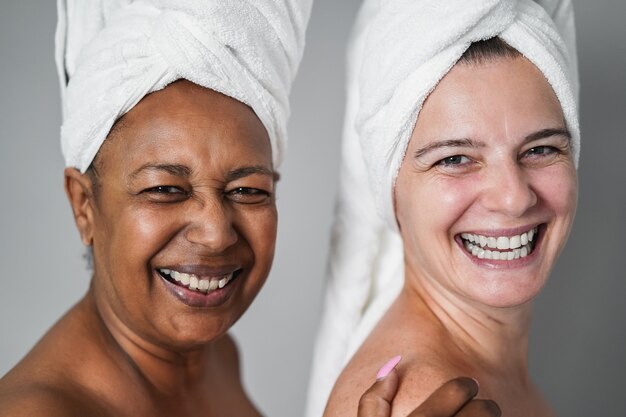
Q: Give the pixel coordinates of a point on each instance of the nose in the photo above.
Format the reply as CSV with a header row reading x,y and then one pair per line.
x,y
212,226
508,191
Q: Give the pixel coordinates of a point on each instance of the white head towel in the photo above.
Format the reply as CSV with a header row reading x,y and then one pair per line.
x,y
399,51
111,53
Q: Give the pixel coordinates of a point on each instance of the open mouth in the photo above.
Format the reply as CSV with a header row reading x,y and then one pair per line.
x,y
501,248
192,282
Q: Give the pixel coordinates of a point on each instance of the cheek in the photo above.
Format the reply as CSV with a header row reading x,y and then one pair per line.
x,y
427,208
258,227
558,188
136,234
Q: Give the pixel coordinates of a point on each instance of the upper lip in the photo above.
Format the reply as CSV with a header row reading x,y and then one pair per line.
x,y
503,232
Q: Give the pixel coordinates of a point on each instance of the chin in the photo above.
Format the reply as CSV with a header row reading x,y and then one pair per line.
x,y
507,292
197,333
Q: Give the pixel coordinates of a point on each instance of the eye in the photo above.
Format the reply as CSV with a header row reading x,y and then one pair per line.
x,y
165,189
541,150
544,155
454,161
166,193
248,195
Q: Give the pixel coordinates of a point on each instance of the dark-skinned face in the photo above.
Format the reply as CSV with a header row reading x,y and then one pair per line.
x,y
183,222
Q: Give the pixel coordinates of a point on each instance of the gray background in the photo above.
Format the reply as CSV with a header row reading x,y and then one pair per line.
x,y
578,353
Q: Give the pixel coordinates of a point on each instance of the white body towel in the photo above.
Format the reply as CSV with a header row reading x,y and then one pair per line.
x,y
399,51
111,53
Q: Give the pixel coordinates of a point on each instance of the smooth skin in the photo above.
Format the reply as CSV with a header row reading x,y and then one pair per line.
x,y
490,154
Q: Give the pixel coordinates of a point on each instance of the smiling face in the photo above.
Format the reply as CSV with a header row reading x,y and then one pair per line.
x,y
486,194
183,222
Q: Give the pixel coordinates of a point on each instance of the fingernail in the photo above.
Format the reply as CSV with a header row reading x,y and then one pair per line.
x,y
477,383
388,367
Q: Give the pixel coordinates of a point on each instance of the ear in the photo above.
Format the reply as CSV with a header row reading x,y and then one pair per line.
x,y
79,191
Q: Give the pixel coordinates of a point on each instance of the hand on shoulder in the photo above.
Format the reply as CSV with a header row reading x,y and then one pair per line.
x,y
455,397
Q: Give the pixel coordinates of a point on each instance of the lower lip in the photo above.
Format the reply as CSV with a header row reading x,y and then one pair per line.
x,y
215,298
505,264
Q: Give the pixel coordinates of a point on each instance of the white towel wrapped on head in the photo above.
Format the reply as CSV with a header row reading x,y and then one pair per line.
x,y
399,51
111,53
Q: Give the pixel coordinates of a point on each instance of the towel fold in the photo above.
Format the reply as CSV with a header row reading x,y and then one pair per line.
x,y
399,51
111,53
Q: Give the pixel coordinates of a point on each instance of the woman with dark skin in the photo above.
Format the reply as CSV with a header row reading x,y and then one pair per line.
x,y
184,183
182,189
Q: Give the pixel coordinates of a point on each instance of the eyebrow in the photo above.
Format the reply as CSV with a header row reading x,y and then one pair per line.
x,y
546,133
469,143
185,172
448,143
173,169
249,170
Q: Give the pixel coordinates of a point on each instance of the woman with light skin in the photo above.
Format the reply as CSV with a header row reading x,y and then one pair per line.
x,y
178,207
483,196
479,166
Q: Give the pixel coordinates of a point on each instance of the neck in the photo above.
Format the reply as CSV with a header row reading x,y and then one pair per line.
x,y
162,369
495,338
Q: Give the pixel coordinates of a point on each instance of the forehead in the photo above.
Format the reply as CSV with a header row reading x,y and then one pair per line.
x,y
499,97
189,124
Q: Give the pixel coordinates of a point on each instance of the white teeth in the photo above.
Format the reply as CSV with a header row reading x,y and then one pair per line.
x,y
194,283
524,238
502,242
481,253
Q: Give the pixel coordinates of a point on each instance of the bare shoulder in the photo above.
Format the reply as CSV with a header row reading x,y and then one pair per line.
x,y
49,380
42,400
353,381
418,379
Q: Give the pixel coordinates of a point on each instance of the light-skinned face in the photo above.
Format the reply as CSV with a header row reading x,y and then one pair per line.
x,y
487,191
183,223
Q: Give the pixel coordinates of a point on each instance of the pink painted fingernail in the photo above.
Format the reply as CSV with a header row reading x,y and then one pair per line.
x,y
388,367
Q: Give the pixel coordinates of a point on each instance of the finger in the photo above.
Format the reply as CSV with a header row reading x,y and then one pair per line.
x,y
448,399
480,408
376,401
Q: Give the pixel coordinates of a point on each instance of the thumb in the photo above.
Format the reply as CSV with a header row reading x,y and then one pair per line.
x,y
376,401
